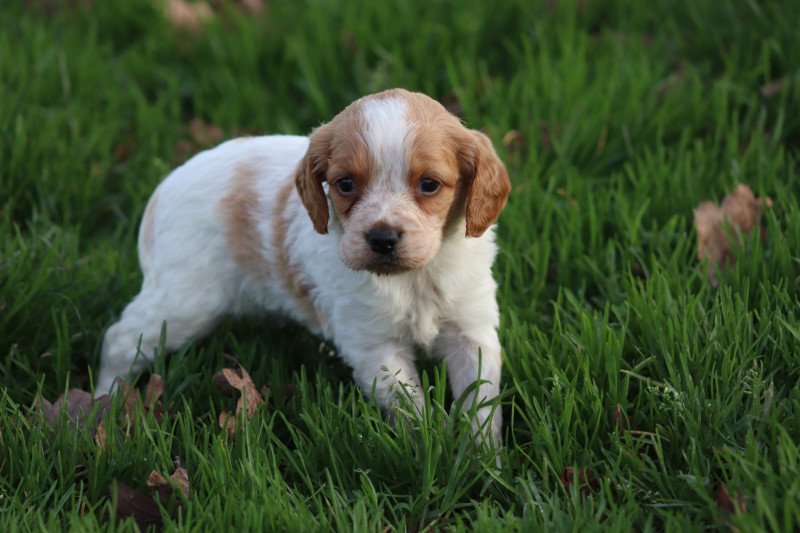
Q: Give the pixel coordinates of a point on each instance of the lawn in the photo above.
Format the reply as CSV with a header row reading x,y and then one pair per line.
x,y
661,392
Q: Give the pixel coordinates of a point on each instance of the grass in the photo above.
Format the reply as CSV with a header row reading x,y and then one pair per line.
x,y
627,114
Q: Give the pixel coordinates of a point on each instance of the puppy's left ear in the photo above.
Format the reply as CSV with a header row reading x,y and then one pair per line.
x,y
487,182
310,174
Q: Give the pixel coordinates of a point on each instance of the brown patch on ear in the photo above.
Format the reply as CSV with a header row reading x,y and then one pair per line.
x,y
310,174
240,211
487,182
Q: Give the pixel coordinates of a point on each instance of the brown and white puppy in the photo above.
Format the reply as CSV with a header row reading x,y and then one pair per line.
x,y
375,232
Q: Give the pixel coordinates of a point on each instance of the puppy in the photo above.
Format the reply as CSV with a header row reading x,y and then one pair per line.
x,y
375,233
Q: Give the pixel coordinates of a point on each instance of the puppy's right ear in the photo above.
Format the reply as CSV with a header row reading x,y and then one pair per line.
x,y
311,173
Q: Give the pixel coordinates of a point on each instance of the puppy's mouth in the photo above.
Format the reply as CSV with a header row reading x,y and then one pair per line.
x,y
387,265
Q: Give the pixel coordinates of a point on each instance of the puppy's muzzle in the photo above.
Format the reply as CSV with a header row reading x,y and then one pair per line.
x,y
383,240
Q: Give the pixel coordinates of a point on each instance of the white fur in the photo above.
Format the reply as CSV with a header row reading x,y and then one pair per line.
x,y
191,278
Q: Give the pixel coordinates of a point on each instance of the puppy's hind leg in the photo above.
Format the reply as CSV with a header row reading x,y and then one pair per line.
x,y
130,344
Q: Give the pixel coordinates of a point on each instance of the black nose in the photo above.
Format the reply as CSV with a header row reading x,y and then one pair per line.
x,y
382,240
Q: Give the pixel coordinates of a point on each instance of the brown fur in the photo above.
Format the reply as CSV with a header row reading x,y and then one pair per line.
x,y
240,211
433,155
291,277
474,181
335,150
444,149
489,185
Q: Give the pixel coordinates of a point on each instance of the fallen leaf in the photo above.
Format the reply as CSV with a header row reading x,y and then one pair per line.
x,y
204,133
741,211
728,504
515,143
132,503
188,16
183,151
585,480
181,477
165,487
228,422
143,508
155,388
349,41
238,379
130,397
124,150
254,7
100,437
771,88
78,406
152,396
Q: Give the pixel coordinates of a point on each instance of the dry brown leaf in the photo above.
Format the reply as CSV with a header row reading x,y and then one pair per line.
x,y
160,485
238,379
585,479
728,504
771,88
130,397
100,437
741,211
132,503
152,396
254,7
228,422
165,487
78,405
349,41
155,388
181,477
188,16
204,133
183,151
515,143
143,508
234,378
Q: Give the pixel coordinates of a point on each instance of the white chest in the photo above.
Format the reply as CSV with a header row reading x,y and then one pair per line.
x,y
413,308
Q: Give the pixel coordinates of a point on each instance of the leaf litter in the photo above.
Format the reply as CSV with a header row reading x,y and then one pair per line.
x,y
77,410
230,381
738,215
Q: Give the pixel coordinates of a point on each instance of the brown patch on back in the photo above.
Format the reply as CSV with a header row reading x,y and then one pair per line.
x,y
291,277
148,222
240,210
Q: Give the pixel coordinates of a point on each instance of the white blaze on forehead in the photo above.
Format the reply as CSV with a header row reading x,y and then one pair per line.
x,y
388,135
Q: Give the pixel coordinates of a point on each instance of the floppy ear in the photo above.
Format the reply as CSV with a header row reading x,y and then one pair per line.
x,y
310,174
487,182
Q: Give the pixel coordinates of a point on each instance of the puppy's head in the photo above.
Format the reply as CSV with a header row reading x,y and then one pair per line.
x,y
402,175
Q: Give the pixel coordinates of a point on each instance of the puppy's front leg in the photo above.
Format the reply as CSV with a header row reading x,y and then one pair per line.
x,y
386,370
472,356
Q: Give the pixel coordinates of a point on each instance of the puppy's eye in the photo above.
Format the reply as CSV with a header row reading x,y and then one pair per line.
x,y
345,185
429,185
